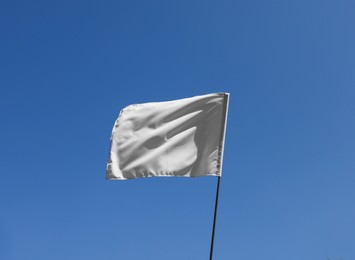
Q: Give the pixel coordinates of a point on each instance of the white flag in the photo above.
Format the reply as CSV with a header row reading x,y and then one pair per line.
x,y
183,137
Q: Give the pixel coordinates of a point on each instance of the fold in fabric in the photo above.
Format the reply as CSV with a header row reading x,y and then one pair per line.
x,y
175,138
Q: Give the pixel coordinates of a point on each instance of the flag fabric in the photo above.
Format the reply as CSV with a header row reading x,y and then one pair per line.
x,y
183,137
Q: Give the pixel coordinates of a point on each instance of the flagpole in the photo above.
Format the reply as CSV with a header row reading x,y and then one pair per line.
x,y
224,125
215,217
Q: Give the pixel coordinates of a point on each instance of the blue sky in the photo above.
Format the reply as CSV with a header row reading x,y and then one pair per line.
x,y
68,67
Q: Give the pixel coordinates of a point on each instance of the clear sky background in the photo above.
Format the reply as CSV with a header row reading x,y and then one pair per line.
x,y
288,186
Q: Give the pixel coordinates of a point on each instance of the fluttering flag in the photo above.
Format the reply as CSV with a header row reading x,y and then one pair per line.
x,y
183,137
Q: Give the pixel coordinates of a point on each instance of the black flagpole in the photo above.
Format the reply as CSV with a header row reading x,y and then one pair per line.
x,y
224,122
215,217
